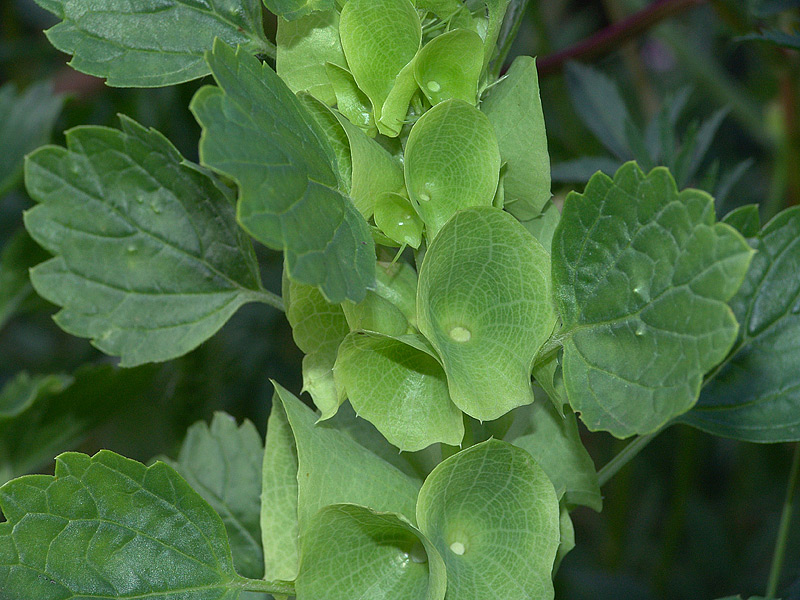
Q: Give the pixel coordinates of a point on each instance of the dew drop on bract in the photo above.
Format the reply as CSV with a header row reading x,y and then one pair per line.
x,y
434,86
457,548
460,334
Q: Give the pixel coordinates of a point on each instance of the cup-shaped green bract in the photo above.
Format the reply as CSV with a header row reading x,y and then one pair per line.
x,y
350,100
452,162
399,388
384,555
449,66
396,218
304,48
484,303
379,37
493,515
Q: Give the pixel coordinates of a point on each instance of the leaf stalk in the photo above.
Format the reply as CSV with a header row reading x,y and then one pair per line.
x,y
783,528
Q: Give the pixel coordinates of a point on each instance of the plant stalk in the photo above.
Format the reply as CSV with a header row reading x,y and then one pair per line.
x,y
623,458
279,588
614,35
783,527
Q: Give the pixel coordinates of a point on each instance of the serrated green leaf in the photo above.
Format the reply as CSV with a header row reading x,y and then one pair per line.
x,y
318,327
492,514
305,46
294,9
484,303
18,255
257,132
399,389
452,162
642,275
745,219
26,120
222,463
385,556
450,66
755,395
151,43
554,442
380,38
515,111
175,267
110,527
43,415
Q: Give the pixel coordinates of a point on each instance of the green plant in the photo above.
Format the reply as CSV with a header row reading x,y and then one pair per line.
x,y
428,277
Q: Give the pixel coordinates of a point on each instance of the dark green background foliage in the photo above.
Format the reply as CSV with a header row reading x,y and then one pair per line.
x,y
710,93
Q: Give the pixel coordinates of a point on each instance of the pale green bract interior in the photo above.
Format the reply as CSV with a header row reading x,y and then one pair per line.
x,y
409,191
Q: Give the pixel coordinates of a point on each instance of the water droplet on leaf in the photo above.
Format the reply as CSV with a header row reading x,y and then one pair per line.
x,y
132,248
640,329
457,548
460,334
434,86
424,197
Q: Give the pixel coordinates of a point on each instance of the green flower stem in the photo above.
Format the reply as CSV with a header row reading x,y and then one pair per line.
x,y
783,528
623,458
285,588
267,297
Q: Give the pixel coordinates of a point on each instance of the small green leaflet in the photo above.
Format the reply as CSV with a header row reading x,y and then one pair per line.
x,y
305,47
43,415
755,395
641,275
175,266
515,111
385,555
107,526
26,120
308,467
492,514
398,388
452,162
152,43
257,132
18,255
554,442
294,9
484,302
222,462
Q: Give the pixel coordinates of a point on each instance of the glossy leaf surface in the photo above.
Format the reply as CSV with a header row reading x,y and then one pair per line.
x,y
452,162
493,515
386,556
755,395
484,303
174,268
109,526
642,275
151,43
257,132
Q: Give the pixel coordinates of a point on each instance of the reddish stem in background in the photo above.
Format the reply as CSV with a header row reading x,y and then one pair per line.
x,y
612,36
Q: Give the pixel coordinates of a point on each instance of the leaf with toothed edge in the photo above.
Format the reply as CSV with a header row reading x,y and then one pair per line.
x,y
257,132
642,274
174,266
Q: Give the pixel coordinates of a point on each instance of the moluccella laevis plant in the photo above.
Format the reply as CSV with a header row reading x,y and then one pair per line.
x,y
430,282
